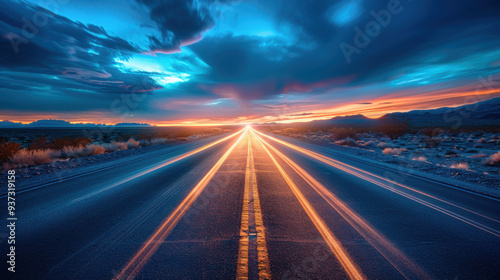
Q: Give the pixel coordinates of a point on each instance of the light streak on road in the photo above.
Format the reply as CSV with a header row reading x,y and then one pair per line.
x,y
379,181
251,194
138,261
351,268
156,167
393,255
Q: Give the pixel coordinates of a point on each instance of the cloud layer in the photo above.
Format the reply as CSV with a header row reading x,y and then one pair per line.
x,y
219,60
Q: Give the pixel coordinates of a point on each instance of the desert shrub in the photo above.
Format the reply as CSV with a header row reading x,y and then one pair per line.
x,y
114,146
494,159
132,143
347,142
324,138
461,165
7,150
340,133
74,152
419,158
34,157
91,149
369,144
96,149
394,151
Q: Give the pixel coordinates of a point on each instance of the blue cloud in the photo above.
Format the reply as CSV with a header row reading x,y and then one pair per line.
x,y
249,53
344,12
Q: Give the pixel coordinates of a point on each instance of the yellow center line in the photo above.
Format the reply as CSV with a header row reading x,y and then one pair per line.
x,y
263,258
251,193
352,270
140,259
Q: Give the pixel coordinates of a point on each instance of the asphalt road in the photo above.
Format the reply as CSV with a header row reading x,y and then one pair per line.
x,y
252,206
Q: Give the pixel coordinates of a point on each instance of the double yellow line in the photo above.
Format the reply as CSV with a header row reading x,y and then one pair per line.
x,y
251,194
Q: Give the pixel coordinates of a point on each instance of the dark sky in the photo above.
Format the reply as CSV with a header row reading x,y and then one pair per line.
x,y
222,61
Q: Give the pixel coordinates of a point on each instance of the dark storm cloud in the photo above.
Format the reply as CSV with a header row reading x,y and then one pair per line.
x,y
438,31
35,40
181,22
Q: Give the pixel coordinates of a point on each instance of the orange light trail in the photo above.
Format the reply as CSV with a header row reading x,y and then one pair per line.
x,y
147,250
393,255
378,180
156,167
352,270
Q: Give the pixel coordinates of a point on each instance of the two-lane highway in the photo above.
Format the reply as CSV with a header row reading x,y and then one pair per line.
x,y
253,206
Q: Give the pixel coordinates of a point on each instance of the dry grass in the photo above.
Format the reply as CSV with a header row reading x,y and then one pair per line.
x,y
114,146
26,157
13,157
74,152
394,151
369,144
494,159
96,149
132,143
347,142
91,149
419,158
461,165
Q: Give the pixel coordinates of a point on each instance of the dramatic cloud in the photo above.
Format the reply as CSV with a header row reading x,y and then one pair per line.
x,y
34,40
222,60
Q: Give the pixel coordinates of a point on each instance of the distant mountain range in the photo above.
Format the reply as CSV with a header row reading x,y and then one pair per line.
x,y
64,124
353,120
483,113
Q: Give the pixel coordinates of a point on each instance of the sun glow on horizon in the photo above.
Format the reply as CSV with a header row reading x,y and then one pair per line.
x,y
370,108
